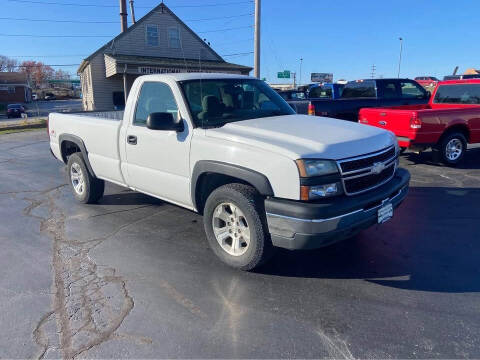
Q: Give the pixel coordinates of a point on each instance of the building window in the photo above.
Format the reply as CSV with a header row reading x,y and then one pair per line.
x,y
151,35
11,89
174,38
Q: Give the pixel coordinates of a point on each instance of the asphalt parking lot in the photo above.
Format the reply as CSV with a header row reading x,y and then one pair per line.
x,y
134,277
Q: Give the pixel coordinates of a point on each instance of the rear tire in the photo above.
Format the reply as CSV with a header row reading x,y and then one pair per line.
x,y
236,228
87,189
451,149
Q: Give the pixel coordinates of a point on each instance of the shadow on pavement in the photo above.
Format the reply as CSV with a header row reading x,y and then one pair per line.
x,y
470,161
129,198
432,244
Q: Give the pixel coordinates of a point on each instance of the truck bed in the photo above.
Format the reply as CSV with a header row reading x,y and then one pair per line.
x,y
424,123
99,131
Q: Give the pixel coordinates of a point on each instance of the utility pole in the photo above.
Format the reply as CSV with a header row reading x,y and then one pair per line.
x,y
256,62
373,71
123,15
132,11
300,76
400,57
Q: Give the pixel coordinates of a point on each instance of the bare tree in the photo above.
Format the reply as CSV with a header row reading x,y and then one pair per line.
x,y
8,64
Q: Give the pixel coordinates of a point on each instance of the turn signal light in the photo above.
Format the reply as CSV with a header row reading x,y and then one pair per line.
x,y
311,109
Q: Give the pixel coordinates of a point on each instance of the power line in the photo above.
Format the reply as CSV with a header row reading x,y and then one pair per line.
x,y
228,29
60,21
40,65
101,36
238,54
55,36
44,56
112,22
115,6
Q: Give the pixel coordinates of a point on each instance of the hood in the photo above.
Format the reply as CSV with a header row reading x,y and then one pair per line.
x,y
303,136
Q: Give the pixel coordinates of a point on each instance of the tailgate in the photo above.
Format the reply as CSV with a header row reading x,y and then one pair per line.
x,y
397,121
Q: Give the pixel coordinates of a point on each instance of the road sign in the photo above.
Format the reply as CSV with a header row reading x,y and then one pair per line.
x,y
285,74
322,77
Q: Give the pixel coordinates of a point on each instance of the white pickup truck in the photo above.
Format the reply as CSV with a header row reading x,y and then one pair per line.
x,y
230,148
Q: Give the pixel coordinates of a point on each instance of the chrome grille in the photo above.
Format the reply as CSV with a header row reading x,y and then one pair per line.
x,y
363,173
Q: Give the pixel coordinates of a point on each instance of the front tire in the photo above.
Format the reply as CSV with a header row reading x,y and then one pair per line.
x,y
236,227
87,189
451,148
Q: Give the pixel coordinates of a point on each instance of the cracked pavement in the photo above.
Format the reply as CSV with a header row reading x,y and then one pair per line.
x,y
133,277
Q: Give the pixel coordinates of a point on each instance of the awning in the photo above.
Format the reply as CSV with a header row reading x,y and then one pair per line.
x,y
145,65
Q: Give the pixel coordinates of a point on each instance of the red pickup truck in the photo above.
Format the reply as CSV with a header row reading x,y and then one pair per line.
x,y
447,123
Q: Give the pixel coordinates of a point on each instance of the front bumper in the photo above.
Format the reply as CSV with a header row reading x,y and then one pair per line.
x,y
309,225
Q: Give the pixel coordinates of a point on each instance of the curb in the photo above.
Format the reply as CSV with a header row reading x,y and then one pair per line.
x,y
23,126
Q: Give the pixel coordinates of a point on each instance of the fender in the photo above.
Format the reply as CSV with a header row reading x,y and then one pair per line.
x,y
79,142
258,180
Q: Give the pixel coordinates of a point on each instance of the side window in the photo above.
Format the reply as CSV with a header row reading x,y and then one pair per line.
x,y
389,89
174,38
151,35
458,94
363,89
154,97
410,90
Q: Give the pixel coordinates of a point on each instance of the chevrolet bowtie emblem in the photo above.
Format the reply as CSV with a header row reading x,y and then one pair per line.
x,y
378,167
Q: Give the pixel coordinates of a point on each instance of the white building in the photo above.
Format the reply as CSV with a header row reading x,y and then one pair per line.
x,y
157,43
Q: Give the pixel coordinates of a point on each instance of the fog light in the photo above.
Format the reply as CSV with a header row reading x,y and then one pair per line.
x,y
323,190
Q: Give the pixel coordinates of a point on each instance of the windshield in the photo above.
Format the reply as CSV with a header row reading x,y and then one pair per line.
x,y
216,102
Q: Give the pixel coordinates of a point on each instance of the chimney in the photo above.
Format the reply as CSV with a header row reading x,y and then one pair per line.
x,y
132,11
123,15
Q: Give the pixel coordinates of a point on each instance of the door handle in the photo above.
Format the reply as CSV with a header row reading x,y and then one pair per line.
x,y
132,139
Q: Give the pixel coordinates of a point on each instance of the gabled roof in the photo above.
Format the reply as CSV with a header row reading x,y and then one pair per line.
x,y
161,7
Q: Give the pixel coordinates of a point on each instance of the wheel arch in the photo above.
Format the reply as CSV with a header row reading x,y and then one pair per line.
x,y
457,127
208,175
70,144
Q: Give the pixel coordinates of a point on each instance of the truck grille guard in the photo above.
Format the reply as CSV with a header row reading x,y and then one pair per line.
x,y
366,172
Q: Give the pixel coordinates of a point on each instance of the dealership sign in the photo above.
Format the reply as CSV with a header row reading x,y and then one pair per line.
x,y
322,77
147,70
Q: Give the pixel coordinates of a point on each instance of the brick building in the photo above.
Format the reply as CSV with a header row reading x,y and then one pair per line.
x,y
14,88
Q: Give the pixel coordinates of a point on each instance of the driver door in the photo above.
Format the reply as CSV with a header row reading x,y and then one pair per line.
x,y
158,160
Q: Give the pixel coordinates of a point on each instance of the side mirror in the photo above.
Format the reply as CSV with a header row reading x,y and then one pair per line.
x,y
164,121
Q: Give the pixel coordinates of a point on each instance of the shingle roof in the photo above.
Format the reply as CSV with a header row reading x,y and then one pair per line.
x,y
162,7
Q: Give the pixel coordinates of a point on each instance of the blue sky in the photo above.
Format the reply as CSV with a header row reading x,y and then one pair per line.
x,y
345,37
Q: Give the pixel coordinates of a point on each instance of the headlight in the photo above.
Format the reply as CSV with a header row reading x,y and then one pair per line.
x,y
312,167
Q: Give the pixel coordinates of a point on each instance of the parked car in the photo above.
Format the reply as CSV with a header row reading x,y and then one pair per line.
x,y
461,77
427,81
15,110
50,96
366,93
447,123
230,148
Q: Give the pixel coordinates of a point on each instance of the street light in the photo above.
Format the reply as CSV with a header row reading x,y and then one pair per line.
x,y
300,79
400,57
